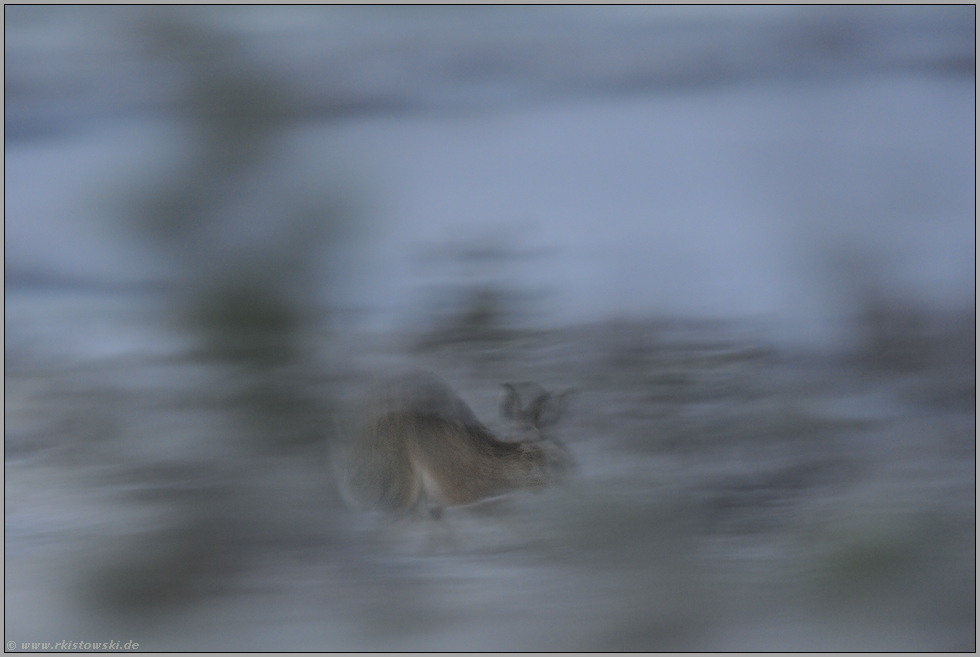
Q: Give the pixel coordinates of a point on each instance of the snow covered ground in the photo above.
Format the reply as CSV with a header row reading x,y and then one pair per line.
x,y
747,236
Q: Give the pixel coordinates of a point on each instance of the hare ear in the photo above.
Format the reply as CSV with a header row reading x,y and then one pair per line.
x,y
510,403
548,410
537,410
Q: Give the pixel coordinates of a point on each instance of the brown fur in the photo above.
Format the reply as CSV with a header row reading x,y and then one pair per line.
x,y
431,449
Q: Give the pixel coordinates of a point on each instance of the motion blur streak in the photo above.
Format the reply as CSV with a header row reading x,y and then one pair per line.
x,y
745,236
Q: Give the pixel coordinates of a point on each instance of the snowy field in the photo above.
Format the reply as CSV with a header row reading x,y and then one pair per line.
x,y
747,239
727,497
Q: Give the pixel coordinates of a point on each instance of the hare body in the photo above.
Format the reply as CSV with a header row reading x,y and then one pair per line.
x,y
423,445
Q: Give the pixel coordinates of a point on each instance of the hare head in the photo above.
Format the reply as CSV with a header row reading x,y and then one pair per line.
x,y
541,409
528,421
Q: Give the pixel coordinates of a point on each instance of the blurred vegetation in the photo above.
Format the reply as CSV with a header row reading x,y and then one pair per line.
x,y
894,335
931,354
250,283
248,294
482,311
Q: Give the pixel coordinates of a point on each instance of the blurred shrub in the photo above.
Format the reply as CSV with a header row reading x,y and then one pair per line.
x,y
478,310
247,251
893,335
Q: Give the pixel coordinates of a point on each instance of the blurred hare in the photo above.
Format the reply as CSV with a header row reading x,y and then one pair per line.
x,y
423,445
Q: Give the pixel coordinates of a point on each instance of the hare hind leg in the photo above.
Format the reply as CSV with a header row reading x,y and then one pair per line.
x,y
380,472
